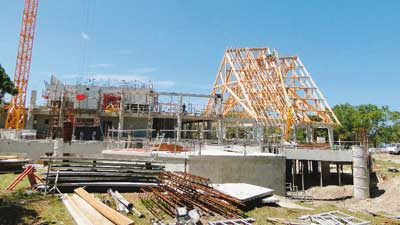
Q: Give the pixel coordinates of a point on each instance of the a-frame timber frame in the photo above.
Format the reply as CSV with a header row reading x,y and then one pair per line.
x,y
272,90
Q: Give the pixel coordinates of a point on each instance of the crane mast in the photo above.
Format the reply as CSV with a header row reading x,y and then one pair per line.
x,y
17,111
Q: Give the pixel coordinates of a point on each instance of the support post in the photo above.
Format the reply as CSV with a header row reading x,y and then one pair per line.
x,y
309,133
302,174
293,172
330,136
320,173
121,115
179,120
220,128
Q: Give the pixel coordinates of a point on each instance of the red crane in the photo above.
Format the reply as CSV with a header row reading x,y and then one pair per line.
x,y
17,111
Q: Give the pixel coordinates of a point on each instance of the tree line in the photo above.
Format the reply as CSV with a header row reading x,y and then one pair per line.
x,y
381,124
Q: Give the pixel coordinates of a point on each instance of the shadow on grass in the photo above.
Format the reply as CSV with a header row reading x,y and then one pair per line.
x,y
12,213
14,209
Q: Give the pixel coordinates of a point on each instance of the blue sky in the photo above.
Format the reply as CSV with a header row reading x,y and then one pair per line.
x,y
351,48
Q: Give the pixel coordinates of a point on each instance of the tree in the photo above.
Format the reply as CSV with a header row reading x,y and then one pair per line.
x,y
381,124
6,84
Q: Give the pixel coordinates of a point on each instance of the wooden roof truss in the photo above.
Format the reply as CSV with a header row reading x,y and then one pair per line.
x,y
256,83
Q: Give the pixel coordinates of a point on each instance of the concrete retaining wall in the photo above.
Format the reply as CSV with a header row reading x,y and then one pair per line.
x,y
36,148
265,171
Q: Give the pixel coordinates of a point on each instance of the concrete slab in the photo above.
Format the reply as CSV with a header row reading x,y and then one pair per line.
x,y
244,192
319,155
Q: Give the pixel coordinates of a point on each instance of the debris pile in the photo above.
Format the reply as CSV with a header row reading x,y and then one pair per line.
x,y
237,221
101,173
180,189
334,217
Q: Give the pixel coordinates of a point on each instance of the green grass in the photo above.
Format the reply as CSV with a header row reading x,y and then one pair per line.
x,y
17,207
260,214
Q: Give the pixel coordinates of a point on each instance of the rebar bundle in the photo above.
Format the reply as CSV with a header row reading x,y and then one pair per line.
x,y
180,189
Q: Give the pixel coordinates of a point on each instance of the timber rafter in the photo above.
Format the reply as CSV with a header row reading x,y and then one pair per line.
x,y
256,83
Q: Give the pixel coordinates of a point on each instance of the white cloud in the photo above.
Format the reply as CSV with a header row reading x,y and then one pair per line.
x,y
85,36
101,65
144,70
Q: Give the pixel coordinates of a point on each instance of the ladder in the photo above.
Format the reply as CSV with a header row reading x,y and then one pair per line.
x,y
158,141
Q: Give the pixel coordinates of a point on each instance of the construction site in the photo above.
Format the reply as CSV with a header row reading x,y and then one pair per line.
x,y
259,148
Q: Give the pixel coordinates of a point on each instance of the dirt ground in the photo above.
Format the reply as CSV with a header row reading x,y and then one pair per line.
x,y
384,199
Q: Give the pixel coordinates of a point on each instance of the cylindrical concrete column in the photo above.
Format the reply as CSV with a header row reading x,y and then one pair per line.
x,y
360,172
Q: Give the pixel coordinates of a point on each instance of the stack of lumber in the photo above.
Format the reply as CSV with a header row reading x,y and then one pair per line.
x,y
101,173
87,210
12,163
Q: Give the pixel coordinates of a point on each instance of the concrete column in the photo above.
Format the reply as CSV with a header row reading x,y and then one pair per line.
x,y
121,116
294,134
294,172
208,125
220,128
179,119
320,173
330,136
305,166
310,135
302,174
202,126
255,131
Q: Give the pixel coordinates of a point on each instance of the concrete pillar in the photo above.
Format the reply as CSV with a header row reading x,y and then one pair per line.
x,y
294,172
310,135
305,166
302,174
179,119
255,131
121,116
208,125
330,136
220,128
202,126
320,173
294,134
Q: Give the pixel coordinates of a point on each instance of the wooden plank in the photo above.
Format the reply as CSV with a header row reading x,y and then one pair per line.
x,y
106,211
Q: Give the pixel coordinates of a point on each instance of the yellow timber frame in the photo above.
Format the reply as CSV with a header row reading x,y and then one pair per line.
x,y
272,90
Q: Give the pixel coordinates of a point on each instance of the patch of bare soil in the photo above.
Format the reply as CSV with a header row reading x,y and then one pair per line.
x,y
331,192
388,202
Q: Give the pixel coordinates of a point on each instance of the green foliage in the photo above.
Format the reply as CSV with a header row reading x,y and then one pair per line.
x,y
6,84
381,124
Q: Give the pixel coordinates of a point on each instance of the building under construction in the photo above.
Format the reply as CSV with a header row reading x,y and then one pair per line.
x,y
258,104
256,93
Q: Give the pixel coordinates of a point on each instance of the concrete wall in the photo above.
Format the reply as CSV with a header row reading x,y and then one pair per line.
x,y
35,149
265,171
